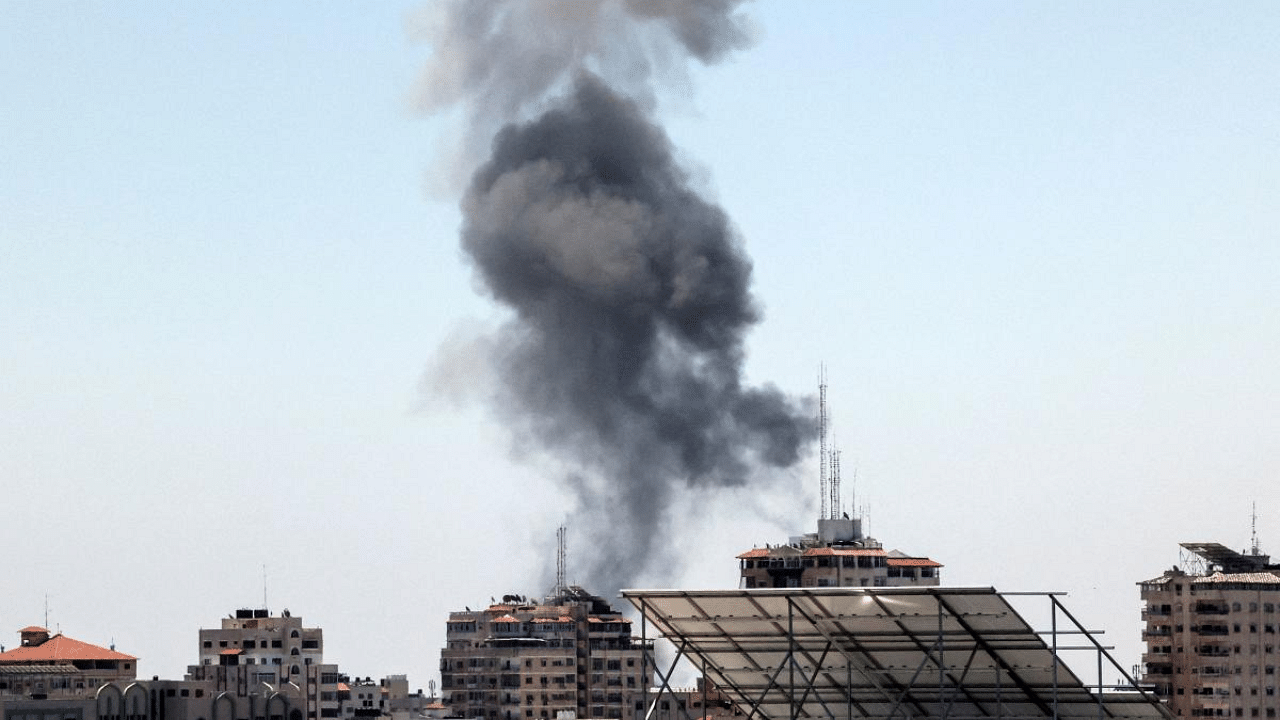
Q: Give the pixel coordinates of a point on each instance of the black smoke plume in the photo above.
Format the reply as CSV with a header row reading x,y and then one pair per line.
x,y
631,299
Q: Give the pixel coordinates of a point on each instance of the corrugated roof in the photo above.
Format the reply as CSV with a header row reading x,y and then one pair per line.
x,y
38,670
61,648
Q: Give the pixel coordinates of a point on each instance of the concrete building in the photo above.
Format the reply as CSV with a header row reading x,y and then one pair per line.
x,y
519,660
838,555
1211,634
254,648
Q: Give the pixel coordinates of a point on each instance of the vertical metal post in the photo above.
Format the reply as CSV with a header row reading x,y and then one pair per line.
x,y
644,657
791,657
848,686
941,665
1053,629
704,688
1100,709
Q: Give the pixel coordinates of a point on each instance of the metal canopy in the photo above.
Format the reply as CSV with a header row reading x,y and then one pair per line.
x,y
850,653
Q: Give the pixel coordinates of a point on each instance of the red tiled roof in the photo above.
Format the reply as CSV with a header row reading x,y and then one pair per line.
x,y
235,651
825,551
505,619
343,687
812,552
60,648
912,562
611,620
33,628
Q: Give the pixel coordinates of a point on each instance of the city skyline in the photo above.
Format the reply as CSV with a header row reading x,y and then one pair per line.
x,y
1033,245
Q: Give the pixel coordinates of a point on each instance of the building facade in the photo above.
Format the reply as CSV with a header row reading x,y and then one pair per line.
x,y
253,648
519,660
1211,634
838,555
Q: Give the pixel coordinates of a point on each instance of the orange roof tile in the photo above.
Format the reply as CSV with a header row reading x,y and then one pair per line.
x,y
843,551
233,651
60,648
754,553
912,562
33,628
505,619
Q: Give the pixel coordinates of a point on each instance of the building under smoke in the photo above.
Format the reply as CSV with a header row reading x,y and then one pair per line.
x,y
515,659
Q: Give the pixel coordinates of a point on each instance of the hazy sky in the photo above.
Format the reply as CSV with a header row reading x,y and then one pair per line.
x,y
1034,243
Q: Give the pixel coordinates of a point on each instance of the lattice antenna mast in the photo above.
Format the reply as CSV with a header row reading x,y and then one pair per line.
x,y
835,483
1253,545
822,439
560,561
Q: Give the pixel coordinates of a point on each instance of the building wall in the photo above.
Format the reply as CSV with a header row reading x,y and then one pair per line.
x,y
519,661
1212,644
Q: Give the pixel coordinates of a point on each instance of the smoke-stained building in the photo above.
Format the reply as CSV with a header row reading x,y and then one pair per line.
x,y
838,555
516,659
1211,634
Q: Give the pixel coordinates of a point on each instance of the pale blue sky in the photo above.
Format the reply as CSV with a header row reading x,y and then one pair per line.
x,y
1035,244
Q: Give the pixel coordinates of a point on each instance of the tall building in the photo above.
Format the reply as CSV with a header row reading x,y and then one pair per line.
x,y
71,666
519,660
253,647
838,555
1211,634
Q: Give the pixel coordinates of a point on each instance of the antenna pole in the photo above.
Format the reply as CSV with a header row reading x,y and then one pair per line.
x,y
835,483
1253,547
560,561
822,439
264,586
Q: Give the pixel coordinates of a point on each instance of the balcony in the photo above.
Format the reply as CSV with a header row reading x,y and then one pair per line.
x,y
1206,608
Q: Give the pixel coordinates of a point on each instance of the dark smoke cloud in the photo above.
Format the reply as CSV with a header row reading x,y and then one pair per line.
x,y
630,292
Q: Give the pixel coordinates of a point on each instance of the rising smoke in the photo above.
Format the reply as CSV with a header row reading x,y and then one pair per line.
x,y
630,292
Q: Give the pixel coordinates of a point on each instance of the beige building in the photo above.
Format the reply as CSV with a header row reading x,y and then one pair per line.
x,y
1211,634
519,660
72,667
838,555
253,648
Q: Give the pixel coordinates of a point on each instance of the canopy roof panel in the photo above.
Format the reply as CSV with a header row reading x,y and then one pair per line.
x,y
849,653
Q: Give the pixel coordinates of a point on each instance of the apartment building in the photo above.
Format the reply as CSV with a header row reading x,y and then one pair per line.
x,y
1211,633
252,648
519,660
838,555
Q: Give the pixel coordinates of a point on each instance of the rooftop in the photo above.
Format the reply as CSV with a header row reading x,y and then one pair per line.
x,y
60,649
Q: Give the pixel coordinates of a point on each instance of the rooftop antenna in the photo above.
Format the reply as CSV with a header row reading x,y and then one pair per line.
x,y
1253,545
264,587
822,438
46,611
835,483
560,561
